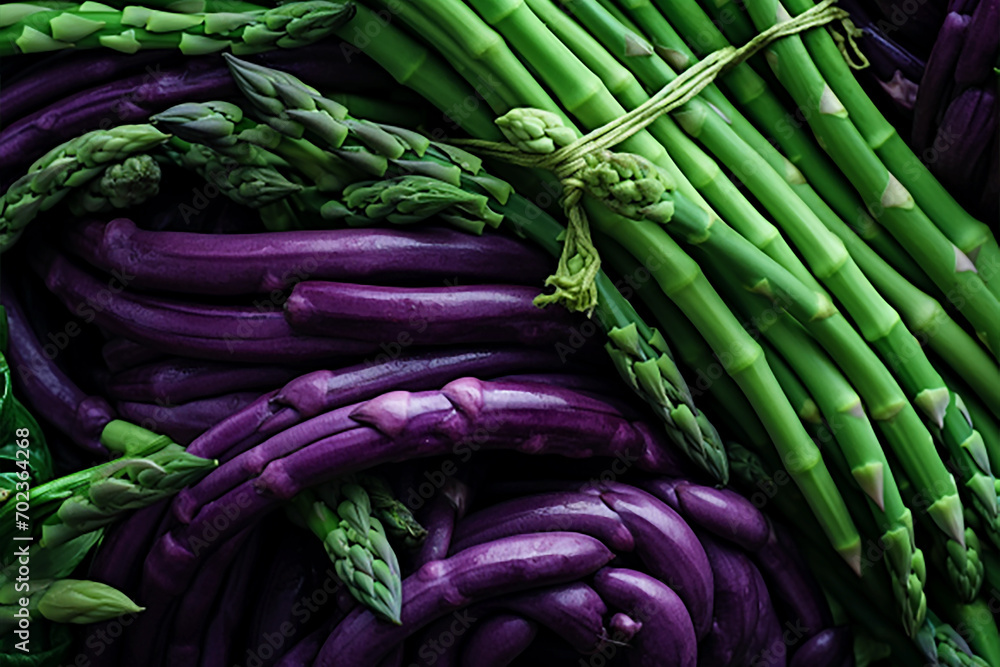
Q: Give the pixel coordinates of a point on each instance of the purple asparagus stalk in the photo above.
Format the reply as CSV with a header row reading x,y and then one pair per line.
x,y
425,315
478,573
178,380
268,262
46,388
186,421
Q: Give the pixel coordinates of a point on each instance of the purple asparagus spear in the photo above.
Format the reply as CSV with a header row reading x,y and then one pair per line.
x,y
575,512
667,636
47,390
268,262
724,513
498,640
229,332
195,607
440,587
178,380
425,315
735,609
185,422
979,52
790,584
831,647
938,76
447,507
121,354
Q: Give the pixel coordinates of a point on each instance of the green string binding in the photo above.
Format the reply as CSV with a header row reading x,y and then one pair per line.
x,y
579,263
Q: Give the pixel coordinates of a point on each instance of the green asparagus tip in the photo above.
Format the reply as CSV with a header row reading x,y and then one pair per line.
x,y
75,601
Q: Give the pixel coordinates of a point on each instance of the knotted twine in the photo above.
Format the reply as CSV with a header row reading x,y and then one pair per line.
x,y
579,262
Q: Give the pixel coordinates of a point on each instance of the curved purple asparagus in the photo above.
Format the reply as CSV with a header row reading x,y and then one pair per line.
x,y
425,315
506,565
46,389
263,263
186,421
179,380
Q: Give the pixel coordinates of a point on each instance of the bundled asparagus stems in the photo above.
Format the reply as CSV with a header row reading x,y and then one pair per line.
x,y
843,307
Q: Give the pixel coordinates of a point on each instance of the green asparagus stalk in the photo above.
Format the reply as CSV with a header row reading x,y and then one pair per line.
x,y
249,184
639,351
122,185
356,544
152,467
683,282
222,127
395,516
953,650
969,235
624,184
844,415
826,255
66,167
806,165
412,65
135,28
886,197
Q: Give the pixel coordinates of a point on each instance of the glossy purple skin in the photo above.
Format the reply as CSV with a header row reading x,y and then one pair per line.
x,y
466,412
658,530
831,648
624,627
226,264
425,315
231,333
790,583
497,640
574,512
121,354
315,393
667,636
439,518
725,513
574,612
185,422
46,389
735,610
440,587
179,380
63,76
476,415
979,53
938,77
135,98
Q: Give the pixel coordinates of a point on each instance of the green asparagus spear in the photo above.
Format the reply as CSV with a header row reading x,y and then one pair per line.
x,y
65,167
122,185
356,543
134,28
